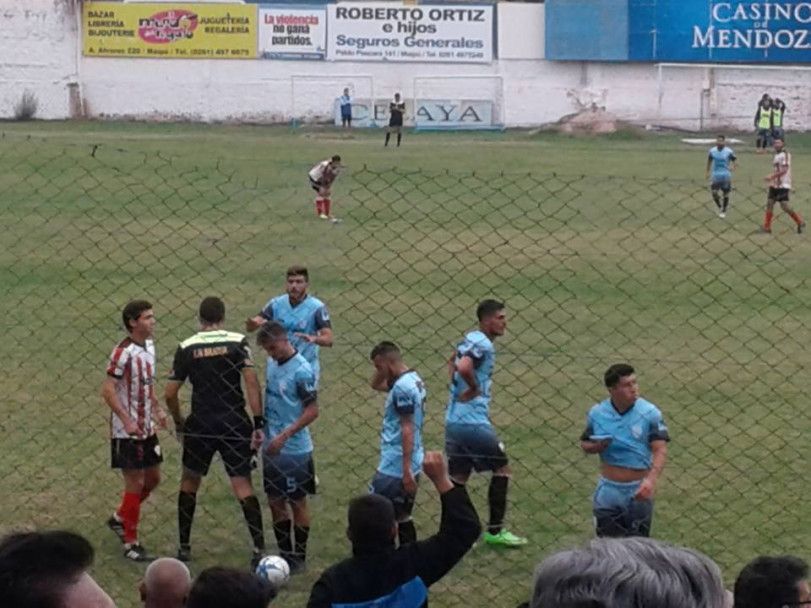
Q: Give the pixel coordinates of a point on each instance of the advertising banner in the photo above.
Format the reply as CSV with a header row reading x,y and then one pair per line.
x,y
287,32
181,31
375,31
728,31
712,31
427,113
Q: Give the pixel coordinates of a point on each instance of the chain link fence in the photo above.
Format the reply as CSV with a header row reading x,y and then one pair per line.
x,y
594,271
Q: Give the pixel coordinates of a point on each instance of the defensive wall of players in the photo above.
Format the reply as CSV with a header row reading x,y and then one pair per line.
x,y
482,65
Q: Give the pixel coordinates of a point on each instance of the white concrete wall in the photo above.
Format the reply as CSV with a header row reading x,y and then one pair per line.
x,y
38,52
39,44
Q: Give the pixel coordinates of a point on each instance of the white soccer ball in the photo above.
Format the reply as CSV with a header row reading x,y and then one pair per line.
x,y
275,569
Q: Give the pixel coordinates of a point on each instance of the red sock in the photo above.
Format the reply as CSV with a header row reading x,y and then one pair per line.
x,y
129,512
796,218
327,206
767,223
319,206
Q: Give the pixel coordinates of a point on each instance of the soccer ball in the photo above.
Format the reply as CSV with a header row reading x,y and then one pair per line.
x,y
275,569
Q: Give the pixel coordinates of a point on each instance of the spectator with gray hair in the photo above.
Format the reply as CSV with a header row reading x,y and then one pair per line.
x,y
628,573
166,584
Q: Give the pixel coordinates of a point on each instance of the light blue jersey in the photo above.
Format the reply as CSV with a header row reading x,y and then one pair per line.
x,y
307,317
479,348
290,388
721,160
405,398
631,432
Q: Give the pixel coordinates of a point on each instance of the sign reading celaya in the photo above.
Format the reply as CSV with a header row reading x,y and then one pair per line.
x,y
425,113
392,32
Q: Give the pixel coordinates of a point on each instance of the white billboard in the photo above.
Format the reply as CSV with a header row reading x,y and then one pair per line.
x,y
292,33
390,31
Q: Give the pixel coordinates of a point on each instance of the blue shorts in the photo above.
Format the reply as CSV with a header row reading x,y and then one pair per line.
x,y
391,487
288,476
473,447
617,513
721,183
778,133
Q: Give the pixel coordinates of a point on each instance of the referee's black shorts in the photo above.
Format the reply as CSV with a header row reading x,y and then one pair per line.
x,y
230,436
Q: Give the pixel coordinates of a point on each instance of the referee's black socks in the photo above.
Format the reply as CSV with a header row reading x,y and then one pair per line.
x,y
253,517
186,504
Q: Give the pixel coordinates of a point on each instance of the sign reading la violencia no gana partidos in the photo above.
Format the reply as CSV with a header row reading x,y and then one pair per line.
x,y
726,31
366,31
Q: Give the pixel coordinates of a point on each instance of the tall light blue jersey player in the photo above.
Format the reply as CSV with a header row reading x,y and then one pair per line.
x,y
305,318
631,438
401,450
291,405
722,161
471,441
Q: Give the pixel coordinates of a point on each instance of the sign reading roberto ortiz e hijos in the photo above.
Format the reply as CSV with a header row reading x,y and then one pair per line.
x,y
376,31
183,31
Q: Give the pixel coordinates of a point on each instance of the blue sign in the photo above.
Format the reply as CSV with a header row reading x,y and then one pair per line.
x,y
729,31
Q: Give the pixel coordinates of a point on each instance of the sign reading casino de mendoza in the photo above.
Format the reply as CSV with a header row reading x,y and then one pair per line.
x,y
178,31
373,31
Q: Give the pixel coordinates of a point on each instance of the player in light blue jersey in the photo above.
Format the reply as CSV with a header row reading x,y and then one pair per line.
x,y
305,318
291,405
401,450
471,441
631,438
722,161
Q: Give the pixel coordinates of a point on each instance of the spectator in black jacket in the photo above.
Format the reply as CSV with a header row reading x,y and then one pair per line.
x,y
379,574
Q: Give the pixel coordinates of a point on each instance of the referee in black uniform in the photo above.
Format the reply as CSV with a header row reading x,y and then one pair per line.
x,y
215,361
396,111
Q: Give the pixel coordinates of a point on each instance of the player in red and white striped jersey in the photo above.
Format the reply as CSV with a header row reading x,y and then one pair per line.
x,y
129,391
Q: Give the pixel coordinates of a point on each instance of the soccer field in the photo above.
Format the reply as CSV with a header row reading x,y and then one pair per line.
x,y
605,249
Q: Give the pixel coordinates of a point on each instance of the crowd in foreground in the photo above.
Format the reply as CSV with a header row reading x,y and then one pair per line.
x,y
50,569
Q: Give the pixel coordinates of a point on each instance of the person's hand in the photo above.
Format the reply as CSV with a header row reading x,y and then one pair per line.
x,y
251,324
468,394
179,430
130,427
646,490
257,438
306,337
436,469
768,178
276,444
163,421
409,482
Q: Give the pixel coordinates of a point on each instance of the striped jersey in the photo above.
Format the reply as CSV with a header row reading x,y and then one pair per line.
x,y
323,172
782,162
133,365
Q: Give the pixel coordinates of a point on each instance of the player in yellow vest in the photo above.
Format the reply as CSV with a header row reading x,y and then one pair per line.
x,y
779,111
763,123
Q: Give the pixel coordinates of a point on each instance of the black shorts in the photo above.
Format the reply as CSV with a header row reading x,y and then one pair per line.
x,y
288,476
473,447
315,185
779,195
126,453
231,437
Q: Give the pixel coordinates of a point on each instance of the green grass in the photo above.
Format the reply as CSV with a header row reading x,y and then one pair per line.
x,y
604,248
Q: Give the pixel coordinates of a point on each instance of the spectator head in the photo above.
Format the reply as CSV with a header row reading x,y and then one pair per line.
x,y
49,570
772,582
217,587
166,584
372,524
626,573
